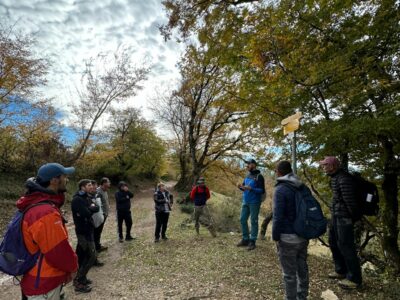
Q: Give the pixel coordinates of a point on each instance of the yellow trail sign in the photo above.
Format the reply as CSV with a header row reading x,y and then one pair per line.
x,y
291,126
296,116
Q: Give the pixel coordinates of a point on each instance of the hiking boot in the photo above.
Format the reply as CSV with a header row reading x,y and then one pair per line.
x,y
335,275
348,284
101,249
81,288
252,245
98,264
243,243
129,238
86,281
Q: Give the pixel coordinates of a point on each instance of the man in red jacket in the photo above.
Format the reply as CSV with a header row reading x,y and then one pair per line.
x,y
44,230
199,195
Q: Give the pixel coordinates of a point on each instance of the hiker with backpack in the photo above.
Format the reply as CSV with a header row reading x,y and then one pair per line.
x,y
345,210
163,202
253,188
292,239
83,209
199,195
36,242
123,200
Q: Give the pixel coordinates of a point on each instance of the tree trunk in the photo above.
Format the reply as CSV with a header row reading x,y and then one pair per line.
x,y
390,207
184,182
344,161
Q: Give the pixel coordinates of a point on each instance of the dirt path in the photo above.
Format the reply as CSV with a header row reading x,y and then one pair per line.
x,y
191,267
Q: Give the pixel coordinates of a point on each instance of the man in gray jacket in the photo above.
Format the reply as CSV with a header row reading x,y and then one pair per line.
x,y
105,205
345,211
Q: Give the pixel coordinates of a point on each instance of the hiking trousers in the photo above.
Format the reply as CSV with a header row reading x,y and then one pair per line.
x,y
343,248
252,211
161,224
293,260
86,252
97,234
124,216
54,294
202,216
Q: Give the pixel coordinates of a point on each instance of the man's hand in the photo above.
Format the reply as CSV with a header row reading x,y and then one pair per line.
x,y
239,185
246,187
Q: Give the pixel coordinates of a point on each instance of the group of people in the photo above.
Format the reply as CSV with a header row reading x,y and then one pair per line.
x,y
291,248
44,228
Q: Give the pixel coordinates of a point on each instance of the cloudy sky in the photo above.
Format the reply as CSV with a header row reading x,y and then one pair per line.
x,y
70,31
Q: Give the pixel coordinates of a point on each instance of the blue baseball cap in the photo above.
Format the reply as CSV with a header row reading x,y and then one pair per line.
x,y
52,170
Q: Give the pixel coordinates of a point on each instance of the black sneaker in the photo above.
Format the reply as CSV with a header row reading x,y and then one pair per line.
x,y
129,238
86,281
156,240
81,288
101,249
243,243
252,245
164,238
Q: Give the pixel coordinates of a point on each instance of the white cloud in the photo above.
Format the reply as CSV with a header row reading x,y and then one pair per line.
x,y
70,31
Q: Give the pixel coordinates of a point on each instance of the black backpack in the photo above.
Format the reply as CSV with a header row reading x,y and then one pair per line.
x,y
367,196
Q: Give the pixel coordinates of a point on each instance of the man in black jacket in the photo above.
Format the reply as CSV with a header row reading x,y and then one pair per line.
x,y
82,210
123,199
345,211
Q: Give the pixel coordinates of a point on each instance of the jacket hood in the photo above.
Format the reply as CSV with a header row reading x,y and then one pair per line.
x,y
36,193
291,179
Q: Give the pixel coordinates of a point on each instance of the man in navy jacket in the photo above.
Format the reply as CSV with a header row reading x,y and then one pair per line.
x,y
253,187
292,249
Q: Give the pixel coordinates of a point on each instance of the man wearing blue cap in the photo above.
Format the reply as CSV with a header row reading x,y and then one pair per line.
x,y
253,187
44,230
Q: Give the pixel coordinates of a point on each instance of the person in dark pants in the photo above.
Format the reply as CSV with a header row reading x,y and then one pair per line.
x,y
123,199
82,210
105,206
264,225
292,249
163,204
345,211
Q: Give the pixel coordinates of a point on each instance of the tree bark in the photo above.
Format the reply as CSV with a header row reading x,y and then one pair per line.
x,y
391,206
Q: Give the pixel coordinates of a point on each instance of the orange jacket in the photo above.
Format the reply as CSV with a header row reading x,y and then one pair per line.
x,y
43,229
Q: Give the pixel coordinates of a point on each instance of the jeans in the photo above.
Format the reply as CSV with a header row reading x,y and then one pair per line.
x,y
343,248
86,252
97,234
252,211
127,217
293,259
161,224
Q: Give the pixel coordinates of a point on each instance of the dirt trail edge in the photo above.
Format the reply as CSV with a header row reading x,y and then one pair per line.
x,y
190,267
